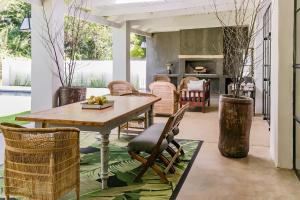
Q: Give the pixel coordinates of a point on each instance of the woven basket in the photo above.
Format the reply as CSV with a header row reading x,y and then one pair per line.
x,y
69,95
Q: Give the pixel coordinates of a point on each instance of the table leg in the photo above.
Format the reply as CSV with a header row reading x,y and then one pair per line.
x,y
150,117
104,157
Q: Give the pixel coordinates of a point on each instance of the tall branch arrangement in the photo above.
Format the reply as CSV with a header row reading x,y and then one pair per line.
x,y
239,37
70,36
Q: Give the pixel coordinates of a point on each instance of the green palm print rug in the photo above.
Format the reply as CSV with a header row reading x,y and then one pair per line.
x,y
123,170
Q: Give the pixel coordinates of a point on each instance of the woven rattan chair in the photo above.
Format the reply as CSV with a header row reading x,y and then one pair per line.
x,y
160,77
139,123
118,88
168,105
41,164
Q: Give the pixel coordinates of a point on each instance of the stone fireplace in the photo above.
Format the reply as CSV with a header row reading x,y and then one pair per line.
x,y
208,66
213,65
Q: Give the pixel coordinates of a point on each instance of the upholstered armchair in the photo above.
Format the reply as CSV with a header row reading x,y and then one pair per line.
x,y
195,96
168,105
184,82
40,163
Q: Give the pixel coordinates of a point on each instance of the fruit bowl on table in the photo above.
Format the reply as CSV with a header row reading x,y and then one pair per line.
x,y
97,103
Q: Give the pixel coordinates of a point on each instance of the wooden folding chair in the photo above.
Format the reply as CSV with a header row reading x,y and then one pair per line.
x,y
154,141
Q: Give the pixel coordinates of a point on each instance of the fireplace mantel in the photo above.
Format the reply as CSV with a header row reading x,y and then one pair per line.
x,y
201,56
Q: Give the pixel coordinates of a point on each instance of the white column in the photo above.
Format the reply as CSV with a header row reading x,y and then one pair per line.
x,y
281,141
45,82
121,52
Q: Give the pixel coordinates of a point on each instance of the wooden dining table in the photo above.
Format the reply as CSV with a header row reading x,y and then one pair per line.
x,y
102,121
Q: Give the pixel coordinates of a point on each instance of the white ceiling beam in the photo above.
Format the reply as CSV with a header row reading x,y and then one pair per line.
x,y
113,9
36,2
102,21
178,12
140,32
182,22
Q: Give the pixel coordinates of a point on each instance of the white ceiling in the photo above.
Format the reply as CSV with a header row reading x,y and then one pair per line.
x,y
164,15
159,16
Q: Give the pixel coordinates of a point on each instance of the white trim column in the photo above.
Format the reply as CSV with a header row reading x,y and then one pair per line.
x,y
281,140
121,52
45,82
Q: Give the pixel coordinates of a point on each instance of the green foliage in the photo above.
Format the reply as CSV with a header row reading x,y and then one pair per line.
x,y
12,118
91,82
13,41
136,50
95,43
22,81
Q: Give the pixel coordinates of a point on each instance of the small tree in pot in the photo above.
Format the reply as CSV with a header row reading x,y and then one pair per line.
x,y
72,35
235,110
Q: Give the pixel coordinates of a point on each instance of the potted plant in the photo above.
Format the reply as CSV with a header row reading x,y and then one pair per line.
x,y
72,36
236,110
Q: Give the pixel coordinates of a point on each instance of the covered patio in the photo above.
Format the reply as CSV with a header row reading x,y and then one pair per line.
x,y
180,36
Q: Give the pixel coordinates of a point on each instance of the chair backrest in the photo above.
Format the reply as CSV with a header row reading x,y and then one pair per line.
x,y
172,123
163,78
169,98
39,155
185,81
118,88
139,94
38,140
161,87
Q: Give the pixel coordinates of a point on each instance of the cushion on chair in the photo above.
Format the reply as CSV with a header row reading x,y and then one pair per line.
x,y
195,85
147,140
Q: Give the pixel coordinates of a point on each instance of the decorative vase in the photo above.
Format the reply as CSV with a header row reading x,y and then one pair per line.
x,y
69,95
235,120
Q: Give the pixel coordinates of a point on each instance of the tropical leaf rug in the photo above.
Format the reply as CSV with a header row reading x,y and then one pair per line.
x,y
123,170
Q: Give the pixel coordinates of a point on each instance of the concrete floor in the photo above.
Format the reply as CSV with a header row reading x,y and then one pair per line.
x,y
215,177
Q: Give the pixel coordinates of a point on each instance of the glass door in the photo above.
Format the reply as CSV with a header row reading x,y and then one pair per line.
x,y
267,64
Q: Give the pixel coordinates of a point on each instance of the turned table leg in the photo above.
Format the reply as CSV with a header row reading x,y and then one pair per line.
x,y
104,157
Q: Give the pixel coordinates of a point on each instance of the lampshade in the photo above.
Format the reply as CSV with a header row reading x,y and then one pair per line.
x,y
144,45
25,26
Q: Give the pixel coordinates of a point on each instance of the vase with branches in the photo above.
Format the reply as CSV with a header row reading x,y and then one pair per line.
x,y
65,43
240,27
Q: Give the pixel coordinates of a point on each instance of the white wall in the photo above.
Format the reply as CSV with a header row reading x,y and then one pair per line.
x,y
86,70
281,141
44,74
15,68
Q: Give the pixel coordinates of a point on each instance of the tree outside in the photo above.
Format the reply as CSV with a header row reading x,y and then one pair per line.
x,y
96,43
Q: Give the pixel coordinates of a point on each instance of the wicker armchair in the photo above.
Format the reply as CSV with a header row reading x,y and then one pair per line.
x,y
137,124
118,88
168,105
40,163
163,78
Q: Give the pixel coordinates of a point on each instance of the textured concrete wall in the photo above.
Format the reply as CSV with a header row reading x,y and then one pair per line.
x,y
207,41
165,47
161,49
